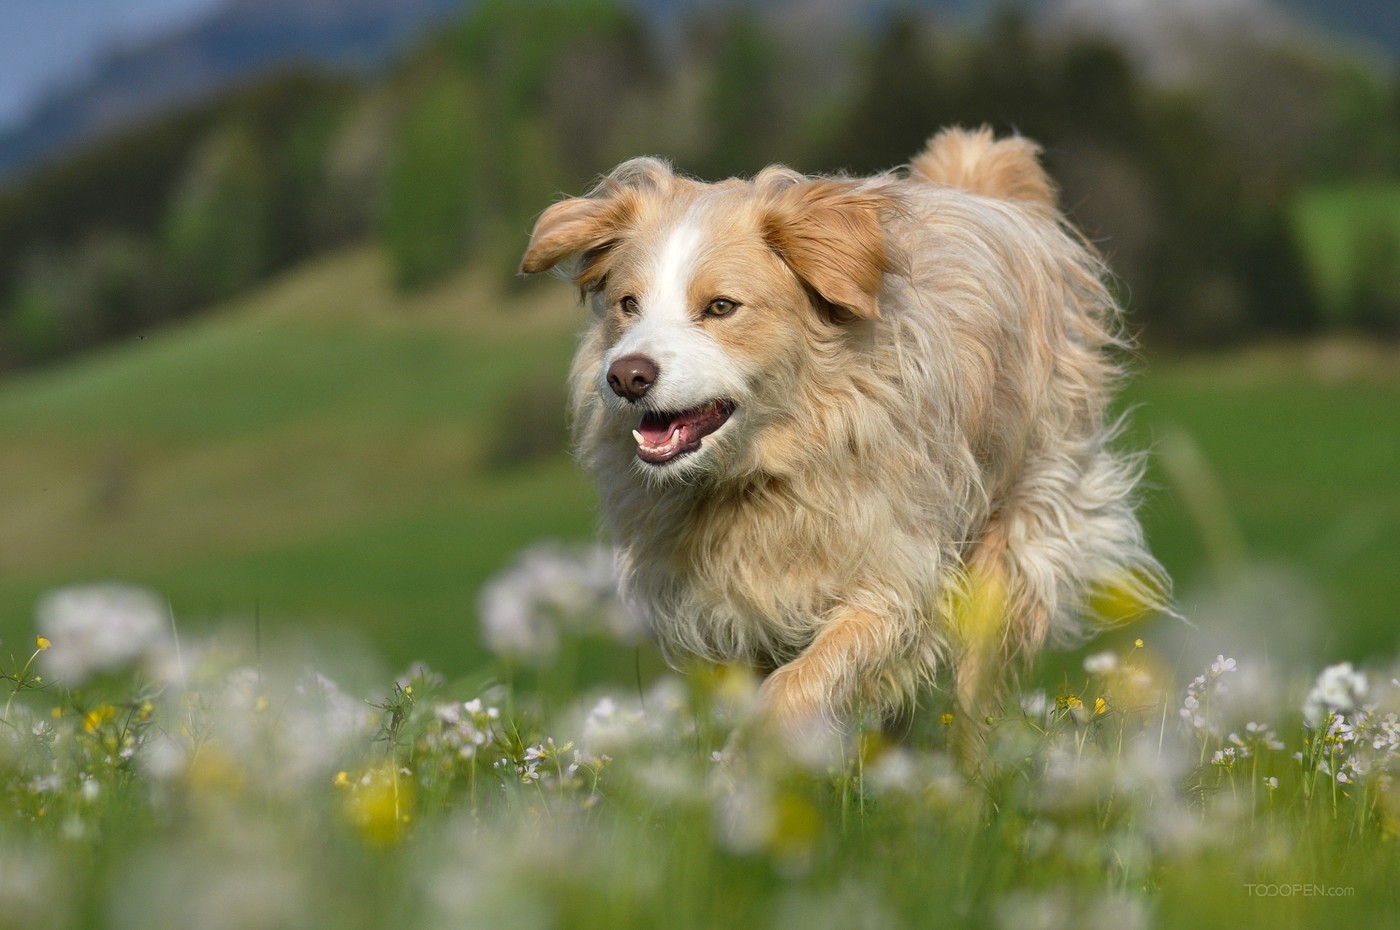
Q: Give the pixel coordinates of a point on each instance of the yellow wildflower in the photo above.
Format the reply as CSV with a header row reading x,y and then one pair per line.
x,y
1100,707
97,716
42,642
214,773
795,828
380,805
946,719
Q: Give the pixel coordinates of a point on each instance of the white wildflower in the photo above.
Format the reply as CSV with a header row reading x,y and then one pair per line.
x,y
99,628
894,771
1101,663
1262,736
465,729
1339,688
1036,705
552,588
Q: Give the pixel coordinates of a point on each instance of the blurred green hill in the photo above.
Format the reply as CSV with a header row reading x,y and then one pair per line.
x,y
328,452
325,449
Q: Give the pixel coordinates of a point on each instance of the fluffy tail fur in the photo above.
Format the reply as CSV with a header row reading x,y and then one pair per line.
x,y
977,161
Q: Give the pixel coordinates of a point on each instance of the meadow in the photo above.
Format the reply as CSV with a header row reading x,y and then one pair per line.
x,y
318,479
329,453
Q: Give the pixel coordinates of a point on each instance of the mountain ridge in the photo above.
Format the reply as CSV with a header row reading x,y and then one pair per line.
x,y
238,41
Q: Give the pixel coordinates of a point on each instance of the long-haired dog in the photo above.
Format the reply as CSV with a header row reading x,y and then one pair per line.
x,y
852,430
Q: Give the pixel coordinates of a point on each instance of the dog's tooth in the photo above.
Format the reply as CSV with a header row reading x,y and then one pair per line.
x,y
637,435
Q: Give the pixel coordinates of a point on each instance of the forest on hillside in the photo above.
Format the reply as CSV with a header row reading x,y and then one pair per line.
x,y
1254,199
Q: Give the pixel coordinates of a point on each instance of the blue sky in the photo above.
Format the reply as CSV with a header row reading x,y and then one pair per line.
x,y
46,42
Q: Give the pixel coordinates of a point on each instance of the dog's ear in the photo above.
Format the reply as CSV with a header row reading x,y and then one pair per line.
x,y
829,233
590,225
574,226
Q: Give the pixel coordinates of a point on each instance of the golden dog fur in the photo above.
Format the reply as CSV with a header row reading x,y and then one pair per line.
x,y
918,471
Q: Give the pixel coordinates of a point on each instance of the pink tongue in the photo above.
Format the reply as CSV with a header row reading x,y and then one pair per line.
x,y
657,429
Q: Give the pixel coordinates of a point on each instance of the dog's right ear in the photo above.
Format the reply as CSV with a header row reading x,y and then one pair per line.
x,y
574,226
590,225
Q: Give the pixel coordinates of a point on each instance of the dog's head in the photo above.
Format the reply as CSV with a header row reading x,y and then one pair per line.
x,y
713,302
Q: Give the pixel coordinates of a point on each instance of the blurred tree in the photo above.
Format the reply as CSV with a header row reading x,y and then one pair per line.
x,y
431,196
1362,135
33,329
520,99
294,148
1006,81
122,183
744,114
218,231
347,206
1092,92
109,285
896,106
1268,107
1375,282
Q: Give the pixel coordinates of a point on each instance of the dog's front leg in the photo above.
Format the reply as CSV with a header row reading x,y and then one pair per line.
x,y
827,684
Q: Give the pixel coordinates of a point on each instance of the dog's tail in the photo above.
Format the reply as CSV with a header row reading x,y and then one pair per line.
x,y
977,161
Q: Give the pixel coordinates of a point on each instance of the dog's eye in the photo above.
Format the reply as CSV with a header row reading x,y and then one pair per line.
x,y
629,305
721,306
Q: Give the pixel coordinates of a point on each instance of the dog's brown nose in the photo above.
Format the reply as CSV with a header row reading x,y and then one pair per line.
x,y
632,376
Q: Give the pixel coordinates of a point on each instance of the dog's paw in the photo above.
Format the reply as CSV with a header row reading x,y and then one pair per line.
x,y
795,712
790,700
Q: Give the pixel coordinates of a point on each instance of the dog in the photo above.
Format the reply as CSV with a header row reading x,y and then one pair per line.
x,y
853,432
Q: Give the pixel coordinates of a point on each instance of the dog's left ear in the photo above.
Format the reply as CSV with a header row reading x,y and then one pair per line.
x,y
829,233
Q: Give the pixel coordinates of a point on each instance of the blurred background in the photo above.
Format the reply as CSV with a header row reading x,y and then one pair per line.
x,y
262,346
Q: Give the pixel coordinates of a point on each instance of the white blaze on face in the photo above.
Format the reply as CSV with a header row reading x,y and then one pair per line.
x,y
694,368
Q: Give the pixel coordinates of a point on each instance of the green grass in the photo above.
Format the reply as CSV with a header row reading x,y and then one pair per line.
x,y
251,796
319,452
1305,445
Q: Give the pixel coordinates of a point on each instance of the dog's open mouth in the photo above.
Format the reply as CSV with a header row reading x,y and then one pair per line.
x,y
665,436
